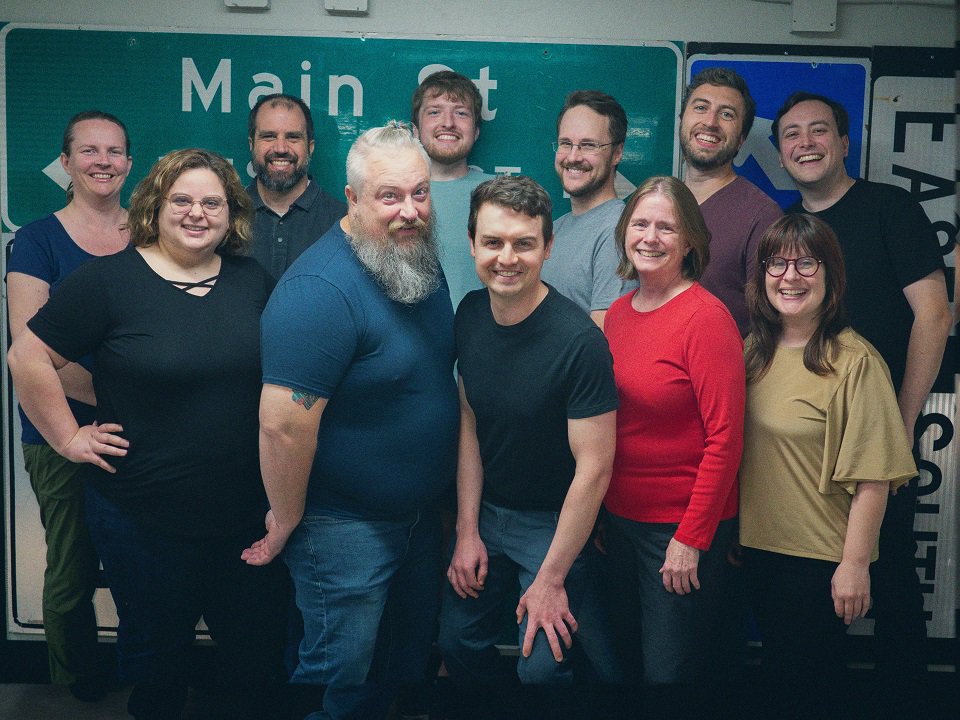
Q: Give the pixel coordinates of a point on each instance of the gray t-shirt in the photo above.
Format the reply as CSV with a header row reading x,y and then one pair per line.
x,y
451,207
583,262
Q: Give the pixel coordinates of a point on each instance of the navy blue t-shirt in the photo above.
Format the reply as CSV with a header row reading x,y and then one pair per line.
x,y
44,250
387,442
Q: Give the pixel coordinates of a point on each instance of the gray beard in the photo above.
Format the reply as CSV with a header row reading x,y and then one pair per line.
x,y
406,275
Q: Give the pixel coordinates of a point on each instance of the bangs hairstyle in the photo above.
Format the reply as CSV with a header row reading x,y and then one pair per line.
x,y
151,194
690,224
517,192
797,236
447,83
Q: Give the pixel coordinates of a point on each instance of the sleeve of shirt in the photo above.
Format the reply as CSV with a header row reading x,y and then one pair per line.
x,y
865,439
74,321
910,239
607,285
308,335
31,255
592,389
714,354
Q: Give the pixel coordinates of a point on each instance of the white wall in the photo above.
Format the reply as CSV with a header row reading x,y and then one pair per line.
x,y
860,22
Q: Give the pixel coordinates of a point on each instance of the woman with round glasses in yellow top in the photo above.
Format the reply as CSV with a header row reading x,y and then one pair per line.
x,y
173,486
823,445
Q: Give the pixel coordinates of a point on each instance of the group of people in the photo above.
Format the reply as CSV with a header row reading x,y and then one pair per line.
x,y
263,373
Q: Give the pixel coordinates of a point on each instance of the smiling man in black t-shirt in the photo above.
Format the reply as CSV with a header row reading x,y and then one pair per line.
x,y
537,437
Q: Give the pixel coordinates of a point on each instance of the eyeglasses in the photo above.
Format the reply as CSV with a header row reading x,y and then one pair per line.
x,y
565,147
210,206
777,266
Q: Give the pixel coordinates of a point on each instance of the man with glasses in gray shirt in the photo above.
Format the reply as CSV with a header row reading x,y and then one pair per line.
x,y
591,130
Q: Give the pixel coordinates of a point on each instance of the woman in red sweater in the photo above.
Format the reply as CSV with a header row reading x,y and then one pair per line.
x,y
678,362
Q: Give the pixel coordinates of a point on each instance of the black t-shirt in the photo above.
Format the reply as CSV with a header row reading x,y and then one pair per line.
x,y
523,383
181,374
888,243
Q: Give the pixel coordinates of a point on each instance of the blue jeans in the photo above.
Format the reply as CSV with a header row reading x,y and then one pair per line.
x,y
517,542
674,630
369,594
162,584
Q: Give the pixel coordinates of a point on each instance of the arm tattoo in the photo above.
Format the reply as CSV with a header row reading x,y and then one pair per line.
x,y
307,400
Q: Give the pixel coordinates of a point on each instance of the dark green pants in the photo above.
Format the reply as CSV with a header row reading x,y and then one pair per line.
x,y
69,621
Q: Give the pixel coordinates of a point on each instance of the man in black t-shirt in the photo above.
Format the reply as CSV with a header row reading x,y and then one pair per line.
x,y
896,298
537,438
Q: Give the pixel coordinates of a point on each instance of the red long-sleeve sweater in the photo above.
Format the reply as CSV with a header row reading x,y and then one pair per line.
x,y
680,377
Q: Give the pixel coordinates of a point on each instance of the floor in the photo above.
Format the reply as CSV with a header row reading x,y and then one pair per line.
x,y
25,694
53,702
50,702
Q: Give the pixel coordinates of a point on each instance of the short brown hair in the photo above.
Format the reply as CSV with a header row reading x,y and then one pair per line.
x,y
447,83
516,192
151,193
690,223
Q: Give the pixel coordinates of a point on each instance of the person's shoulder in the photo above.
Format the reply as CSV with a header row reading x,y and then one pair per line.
x,y
703,299
44,232
246,266
883,194
476,176
857,353
854,347
570,315
473,305
707,310
754,195
325,199
330,251
608,209
42,226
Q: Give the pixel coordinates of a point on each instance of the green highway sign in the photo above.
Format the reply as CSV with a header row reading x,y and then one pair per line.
x,y
176,89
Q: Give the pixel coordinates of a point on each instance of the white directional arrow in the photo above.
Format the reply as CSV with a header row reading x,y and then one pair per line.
x,y
622,186
55,172
759,145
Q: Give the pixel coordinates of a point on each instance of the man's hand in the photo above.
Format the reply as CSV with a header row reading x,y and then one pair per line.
x,y
468,567
850,590
263,551
546,608
92,441
679,571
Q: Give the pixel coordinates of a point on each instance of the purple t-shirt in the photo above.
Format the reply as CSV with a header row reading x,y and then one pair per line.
x,y
737,216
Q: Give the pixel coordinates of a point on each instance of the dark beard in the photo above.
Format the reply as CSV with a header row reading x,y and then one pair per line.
x,y
279,184
407,275
717,161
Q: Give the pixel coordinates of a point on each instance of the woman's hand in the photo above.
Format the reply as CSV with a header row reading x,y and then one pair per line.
x,y
679,571
90,442
850,589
